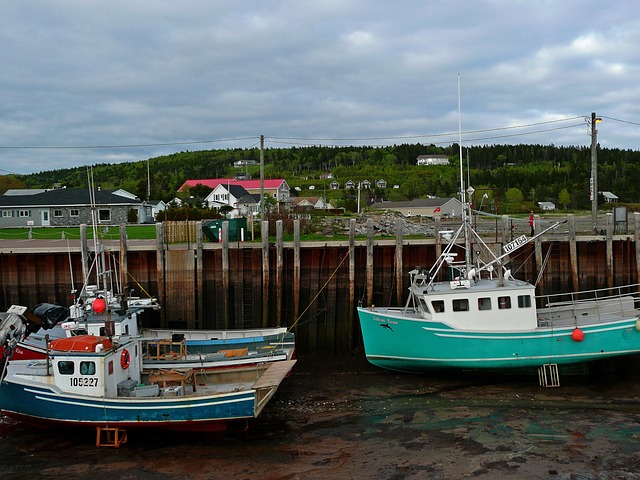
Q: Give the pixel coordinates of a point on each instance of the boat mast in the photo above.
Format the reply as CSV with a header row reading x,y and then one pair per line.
x,y
467,245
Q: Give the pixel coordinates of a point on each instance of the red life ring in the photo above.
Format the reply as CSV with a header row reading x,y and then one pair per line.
x,y
125,359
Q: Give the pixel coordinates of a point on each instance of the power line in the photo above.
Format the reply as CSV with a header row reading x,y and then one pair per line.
x,y
140,145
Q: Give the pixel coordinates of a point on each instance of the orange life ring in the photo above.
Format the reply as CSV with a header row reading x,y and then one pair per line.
x,y
125,359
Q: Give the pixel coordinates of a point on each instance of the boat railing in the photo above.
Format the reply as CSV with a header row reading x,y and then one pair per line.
x,y
605,303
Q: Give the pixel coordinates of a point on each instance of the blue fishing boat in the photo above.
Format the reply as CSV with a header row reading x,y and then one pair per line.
x,y
92,381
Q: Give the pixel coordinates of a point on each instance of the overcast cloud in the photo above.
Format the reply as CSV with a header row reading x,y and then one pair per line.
x,y
207,74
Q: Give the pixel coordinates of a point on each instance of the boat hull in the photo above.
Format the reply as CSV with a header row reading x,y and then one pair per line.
x,y
45,407
397,341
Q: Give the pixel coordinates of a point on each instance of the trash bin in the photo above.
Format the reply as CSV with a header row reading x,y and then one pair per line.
x,y
213,228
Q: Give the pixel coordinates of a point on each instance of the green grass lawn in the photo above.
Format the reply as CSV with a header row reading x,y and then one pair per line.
x,y
134,232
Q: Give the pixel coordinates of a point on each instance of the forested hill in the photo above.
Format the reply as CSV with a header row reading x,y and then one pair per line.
x,y
541,173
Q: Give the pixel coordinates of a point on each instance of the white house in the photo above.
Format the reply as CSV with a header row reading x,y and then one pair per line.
x,y
547,205
432,160
234,196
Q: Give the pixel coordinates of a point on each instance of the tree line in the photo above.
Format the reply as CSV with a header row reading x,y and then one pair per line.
x,y
531,173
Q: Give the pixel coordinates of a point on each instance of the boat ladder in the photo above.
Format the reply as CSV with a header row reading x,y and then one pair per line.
x,y
548,375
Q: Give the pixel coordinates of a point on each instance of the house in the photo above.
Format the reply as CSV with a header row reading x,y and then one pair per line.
x,y
308,203
63,207
365,184
334,185
426,207
349,184
609,197
242,202
277,188
157,206
432,160
381,183
547,205
244,163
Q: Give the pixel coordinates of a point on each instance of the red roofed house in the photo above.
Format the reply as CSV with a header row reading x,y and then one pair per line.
x,y
278,188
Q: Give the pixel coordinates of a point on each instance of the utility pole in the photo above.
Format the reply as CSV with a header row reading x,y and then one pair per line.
x,y
261,179
593,188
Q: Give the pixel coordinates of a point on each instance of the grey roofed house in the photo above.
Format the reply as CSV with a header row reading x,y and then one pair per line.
x,y
69,207
428,207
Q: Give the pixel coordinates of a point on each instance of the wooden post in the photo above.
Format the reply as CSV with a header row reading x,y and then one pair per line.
x,y
84,252
610,274
265,272
636,223
225,274
369,288
438,226
352,277
505,240
279,267
296,272
398,261
160,269
199,277
573,253
538,250
124,275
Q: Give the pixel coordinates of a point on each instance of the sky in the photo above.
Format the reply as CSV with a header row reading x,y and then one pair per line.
x,y
87,82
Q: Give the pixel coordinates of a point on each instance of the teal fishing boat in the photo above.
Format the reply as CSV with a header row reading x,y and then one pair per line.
x,y
469,312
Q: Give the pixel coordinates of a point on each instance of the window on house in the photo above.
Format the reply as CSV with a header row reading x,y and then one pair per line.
x,y
7,213
57,213
25,213
104,215
74,212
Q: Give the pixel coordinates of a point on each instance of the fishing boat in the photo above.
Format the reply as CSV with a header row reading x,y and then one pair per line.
x,y
467,311
161,348
95,381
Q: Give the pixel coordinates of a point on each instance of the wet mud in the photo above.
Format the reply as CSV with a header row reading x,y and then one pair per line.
x,y
345,419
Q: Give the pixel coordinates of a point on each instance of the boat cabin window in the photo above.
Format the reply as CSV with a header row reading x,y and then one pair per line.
x,y
66,367
438,306
87,368
504,302
484,303
110,367
524,301
461,305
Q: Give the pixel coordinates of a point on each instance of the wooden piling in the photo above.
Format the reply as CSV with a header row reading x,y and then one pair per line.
x,y
265,272
199,276
398,259
609,250
369,270
160,294
225,274
279,268
573,253
352,277
296,272
124,275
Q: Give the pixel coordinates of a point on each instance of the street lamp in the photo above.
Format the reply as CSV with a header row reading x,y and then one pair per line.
x,y
593,187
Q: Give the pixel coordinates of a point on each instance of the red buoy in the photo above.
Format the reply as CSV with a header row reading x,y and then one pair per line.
x,y
99,305
577,335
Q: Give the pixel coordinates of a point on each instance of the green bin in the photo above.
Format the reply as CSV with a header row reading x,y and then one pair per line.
x,y
213,228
